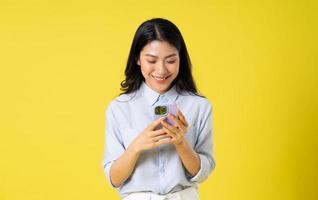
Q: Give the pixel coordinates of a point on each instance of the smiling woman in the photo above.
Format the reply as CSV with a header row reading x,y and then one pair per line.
x,y
159,63
145,156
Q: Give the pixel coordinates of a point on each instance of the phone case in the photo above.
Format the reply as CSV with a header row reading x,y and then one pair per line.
x,y
162,110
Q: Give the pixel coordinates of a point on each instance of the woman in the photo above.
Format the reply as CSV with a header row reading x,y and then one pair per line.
x,y
147,157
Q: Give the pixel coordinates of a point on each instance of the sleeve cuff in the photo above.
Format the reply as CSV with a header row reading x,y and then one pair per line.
x,y
203,172
107,167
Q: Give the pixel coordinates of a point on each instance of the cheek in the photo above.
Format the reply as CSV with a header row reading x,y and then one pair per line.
x,y
174,68
146,68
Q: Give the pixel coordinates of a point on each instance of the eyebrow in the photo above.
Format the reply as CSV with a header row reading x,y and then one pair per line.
x,y
147,54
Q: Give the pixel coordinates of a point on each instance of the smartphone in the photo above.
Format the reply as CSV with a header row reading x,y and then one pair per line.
x,y
163,110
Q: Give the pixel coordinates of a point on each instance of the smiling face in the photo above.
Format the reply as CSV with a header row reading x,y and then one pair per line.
x,y
159,62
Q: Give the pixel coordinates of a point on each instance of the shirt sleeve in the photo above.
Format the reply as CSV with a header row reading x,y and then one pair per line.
x,y
113,142
204,146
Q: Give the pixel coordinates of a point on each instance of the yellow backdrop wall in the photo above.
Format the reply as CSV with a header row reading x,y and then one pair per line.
x,y
62,61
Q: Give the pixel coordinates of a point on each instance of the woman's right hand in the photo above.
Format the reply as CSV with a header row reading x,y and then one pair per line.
x,y
150,138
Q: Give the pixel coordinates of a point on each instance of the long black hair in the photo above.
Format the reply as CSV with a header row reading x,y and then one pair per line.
x,y
162,30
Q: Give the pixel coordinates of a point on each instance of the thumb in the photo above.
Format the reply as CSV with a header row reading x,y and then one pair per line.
x,y
154,124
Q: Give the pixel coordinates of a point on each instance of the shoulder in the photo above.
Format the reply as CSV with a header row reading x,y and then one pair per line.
x,y
121,101
198,101
124,98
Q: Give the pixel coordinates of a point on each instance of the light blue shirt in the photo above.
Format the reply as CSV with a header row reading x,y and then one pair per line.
x,y
159,170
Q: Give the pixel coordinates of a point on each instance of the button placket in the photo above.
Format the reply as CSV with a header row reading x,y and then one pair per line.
x,y
161,100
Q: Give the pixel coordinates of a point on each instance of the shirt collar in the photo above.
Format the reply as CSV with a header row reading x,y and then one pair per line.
x,y
152,96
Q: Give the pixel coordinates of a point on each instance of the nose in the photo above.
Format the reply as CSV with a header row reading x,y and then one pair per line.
x,y
161,68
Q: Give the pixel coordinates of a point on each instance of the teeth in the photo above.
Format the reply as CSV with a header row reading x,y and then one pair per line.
x,y
160,78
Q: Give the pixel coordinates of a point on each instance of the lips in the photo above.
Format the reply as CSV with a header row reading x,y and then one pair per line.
x,y
160,78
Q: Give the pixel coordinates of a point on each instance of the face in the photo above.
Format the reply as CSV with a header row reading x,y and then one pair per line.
x,y
159,62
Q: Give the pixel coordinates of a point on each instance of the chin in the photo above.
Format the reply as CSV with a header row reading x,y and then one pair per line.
x,y
162,89
159,88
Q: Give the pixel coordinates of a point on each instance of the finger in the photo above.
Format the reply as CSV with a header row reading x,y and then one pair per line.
x,y
174,136
154,124
170,133
181,117
157,132
162,137
177,134
163,141
176,122
168,126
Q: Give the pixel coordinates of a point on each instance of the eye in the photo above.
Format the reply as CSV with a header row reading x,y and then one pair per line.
x,y
151,61
171,61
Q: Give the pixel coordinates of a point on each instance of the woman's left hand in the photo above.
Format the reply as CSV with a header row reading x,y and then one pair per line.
x,y
178,129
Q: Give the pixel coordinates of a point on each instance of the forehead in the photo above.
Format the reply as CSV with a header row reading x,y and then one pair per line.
x,y
159,49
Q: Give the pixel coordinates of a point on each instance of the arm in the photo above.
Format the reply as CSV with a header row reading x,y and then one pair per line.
x,y
119,162
148,139
189,158
122,168
114,146
198,161
204,145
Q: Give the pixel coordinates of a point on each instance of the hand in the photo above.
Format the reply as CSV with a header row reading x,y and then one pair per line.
x,y
179,128
150,138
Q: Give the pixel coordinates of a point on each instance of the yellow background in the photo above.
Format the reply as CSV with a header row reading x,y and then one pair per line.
x,y
62,62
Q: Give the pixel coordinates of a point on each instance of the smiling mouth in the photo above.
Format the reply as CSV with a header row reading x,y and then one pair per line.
x,y
159,78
